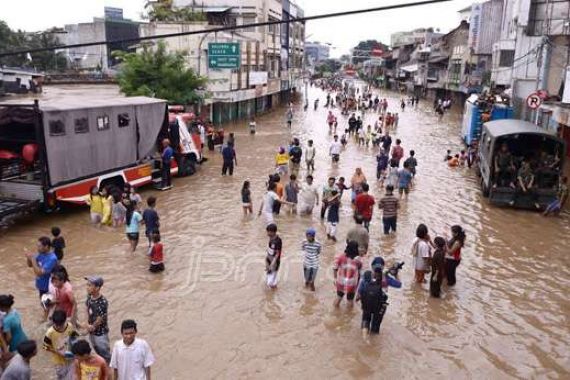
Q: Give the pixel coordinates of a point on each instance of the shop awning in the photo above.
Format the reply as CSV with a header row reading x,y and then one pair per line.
x,y
410,68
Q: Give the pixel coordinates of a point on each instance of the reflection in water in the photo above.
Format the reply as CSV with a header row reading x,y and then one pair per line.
x,y
210,313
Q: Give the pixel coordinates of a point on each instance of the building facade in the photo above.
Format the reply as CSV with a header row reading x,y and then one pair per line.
x,y
272,57
316,52
111,27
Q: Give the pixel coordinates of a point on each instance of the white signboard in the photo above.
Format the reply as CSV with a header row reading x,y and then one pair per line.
x,y
257,78
475,26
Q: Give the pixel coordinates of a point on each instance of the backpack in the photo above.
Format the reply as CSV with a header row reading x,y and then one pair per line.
x,y
373,297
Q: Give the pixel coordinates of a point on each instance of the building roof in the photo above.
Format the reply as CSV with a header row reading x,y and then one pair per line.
x,y
512,127
214,9
83,102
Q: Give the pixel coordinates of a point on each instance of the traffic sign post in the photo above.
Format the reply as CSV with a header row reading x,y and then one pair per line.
x,y
533,101
224,55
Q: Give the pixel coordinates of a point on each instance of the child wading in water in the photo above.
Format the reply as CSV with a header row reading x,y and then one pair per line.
x,y
95,203
273,256
246,198
58,243
156,254
311,252
437,267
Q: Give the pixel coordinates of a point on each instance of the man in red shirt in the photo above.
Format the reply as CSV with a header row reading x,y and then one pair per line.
x,y
364,204
398,151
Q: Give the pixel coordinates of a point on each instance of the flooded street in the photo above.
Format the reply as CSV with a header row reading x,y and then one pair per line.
x,y
210,315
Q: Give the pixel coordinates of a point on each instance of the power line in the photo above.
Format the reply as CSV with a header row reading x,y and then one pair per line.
x,y
226,28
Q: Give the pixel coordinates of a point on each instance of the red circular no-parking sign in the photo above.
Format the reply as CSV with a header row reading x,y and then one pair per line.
x,y
533,101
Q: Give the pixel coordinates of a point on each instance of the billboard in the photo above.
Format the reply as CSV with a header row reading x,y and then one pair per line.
x,y
475,26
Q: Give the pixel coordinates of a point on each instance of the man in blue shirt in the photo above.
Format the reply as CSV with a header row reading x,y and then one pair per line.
x,y
167,154
404,180
229,156
42,264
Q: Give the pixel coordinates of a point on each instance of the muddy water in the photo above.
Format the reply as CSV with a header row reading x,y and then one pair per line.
x,y
210,316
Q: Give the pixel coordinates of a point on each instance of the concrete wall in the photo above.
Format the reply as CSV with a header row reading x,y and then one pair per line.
x,y
87,57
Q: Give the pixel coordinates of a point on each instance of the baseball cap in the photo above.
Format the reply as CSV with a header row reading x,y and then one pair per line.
x,y
95,280
377,263
311,231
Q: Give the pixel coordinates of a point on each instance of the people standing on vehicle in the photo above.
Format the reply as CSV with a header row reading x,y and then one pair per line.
x,y
57,341
58,243
311,249
360,235
166,156
389,205
88,366
132,357
504,167
19,366
246,202
229,159
335,149
11,323
525,184
273,255
42,264
556,206
310,154
151,219
95,203
453,253
346,272
295,154
97,312
364,205
437,266
421,251
309,196
132,225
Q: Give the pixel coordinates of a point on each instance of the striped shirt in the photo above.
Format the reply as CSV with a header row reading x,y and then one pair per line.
x,y
390,206
311,251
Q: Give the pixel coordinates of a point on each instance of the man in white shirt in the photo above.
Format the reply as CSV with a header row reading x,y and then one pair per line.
x,y
308,197
310,153
132,357
335,149
202,131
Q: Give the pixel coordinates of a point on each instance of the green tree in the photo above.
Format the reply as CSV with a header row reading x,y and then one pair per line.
x,y
157,73
19,40
164,11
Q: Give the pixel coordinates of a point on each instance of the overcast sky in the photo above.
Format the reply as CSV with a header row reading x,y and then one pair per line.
x,y
342,33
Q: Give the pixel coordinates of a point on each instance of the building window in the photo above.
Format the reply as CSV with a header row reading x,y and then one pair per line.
x,y
455,71
506,58
103,123
81,125
124,120
56,128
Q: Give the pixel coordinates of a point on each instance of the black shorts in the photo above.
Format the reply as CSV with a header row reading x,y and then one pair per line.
x,y
156,268
336,157
349,296
133,236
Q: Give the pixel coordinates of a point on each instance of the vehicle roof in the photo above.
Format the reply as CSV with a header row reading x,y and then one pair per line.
x,y
507,127
73,103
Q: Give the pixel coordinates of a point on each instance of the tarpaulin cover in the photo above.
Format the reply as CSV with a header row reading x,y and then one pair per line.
x,y
99,136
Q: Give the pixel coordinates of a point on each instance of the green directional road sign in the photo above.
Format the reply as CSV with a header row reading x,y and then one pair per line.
x,y
224,55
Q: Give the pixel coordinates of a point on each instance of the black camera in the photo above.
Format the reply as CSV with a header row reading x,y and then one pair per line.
x,y
395,268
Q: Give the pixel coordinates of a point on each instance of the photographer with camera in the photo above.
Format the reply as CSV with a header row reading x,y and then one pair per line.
x,y
372,293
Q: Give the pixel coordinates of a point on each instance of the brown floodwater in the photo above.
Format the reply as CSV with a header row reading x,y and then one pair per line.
x,y
210,315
